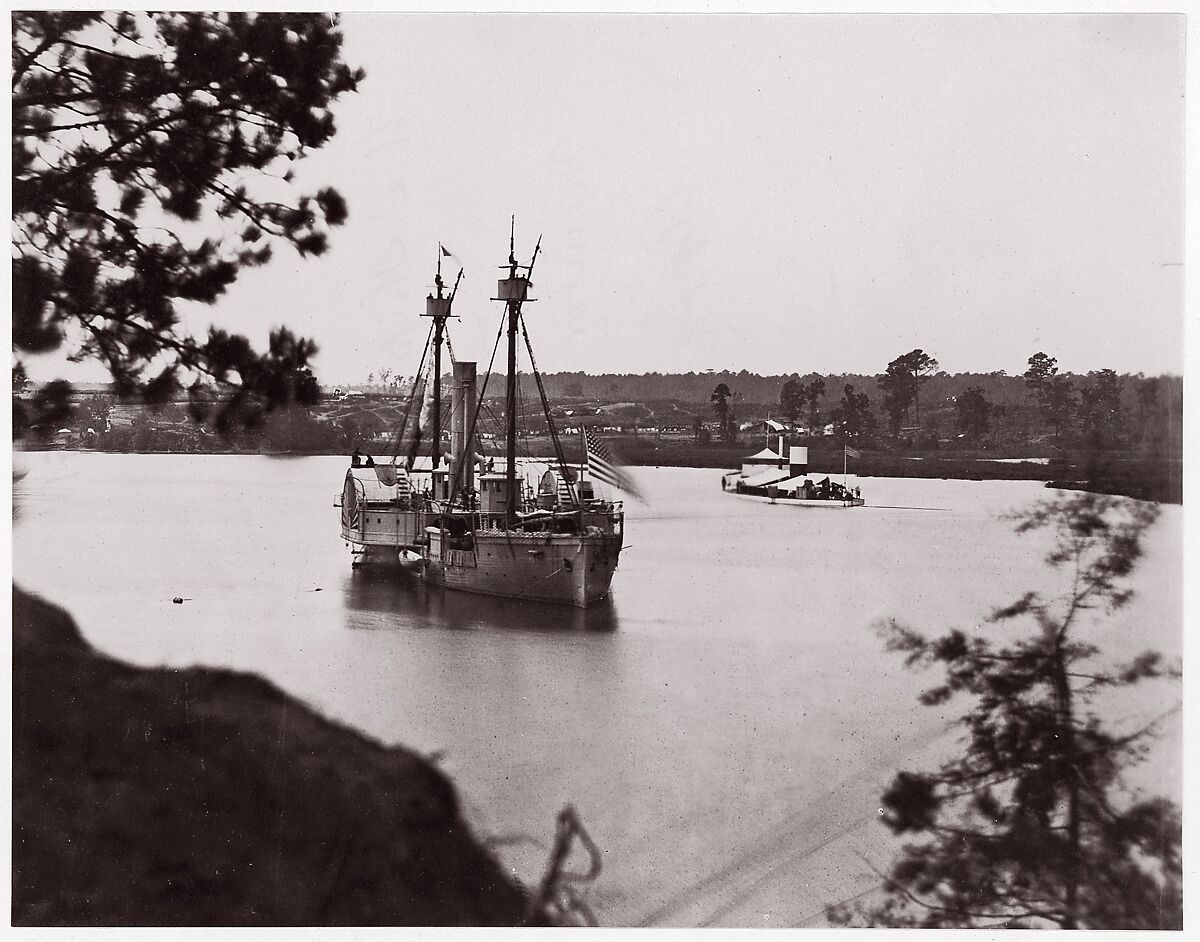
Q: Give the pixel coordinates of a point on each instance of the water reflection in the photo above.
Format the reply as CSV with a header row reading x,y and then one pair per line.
x,y
387,590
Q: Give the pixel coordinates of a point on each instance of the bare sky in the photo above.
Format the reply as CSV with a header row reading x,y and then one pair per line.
x,y
770,193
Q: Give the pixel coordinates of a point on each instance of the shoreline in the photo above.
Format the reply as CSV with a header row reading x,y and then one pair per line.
x,y
1138,477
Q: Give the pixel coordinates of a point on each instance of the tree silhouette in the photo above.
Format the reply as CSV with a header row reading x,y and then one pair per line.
x,y
899,389
791,399
797,398
720,401
152,161
1148,401
1100,412
1055,394
852,418
901,386
923,366
1033,825
1041,368
974,412
813,392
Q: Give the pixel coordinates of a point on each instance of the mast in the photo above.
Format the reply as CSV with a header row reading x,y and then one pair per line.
x,y
510,393
439,324
439,309
513,291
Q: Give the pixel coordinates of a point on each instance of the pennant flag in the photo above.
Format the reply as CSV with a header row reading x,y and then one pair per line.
x,y
603,467
853,452
446,253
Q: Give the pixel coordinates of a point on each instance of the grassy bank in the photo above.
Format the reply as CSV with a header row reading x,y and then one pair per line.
x,y
206,797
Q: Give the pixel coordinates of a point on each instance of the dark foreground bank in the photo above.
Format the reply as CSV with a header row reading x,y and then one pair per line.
x,y
208,797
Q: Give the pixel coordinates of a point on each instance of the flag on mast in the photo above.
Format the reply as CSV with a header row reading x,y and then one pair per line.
x,y
446,253
599,462
425,420
853,452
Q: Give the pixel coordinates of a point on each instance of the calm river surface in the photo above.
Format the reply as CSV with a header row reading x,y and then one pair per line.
x,y
724,726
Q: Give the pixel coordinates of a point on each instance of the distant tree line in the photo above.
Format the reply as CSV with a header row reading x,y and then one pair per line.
x,y
911,405
915,402
170,428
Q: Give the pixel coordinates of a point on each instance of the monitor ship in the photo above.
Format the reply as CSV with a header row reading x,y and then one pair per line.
x,y
782,477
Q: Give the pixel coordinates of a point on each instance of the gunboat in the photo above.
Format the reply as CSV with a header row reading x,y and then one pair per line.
x,y
494,525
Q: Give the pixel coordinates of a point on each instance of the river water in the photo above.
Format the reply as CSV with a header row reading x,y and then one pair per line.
x,y
724,726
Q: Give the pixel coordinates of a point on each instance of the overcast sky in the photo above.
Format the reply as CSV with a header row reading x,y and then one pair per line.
x,y
769,193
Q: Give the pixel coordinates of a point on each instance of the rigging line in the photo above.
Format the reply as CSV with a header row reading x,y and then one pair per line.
x,y
492,361
482,445
521,446
497,425
558,451
412,396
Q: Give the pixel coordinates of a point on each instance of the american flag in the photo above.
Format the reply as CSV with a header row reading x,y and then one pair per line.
x,y
602,466
853,452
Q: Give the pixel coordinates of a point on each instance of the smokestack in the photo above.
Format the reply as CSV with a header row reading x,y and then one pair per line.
x,y
462,405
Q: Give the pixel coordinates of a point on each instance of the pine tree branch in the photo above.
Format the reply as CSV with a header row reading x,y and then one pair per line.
x,y
55,128
249,210
115,28
76,44
31,56
1028,913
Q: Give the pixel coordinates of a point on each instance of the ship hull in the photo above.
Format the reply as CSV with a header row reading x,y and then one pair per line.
x,y
735,483
563,568
830,504
484,530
